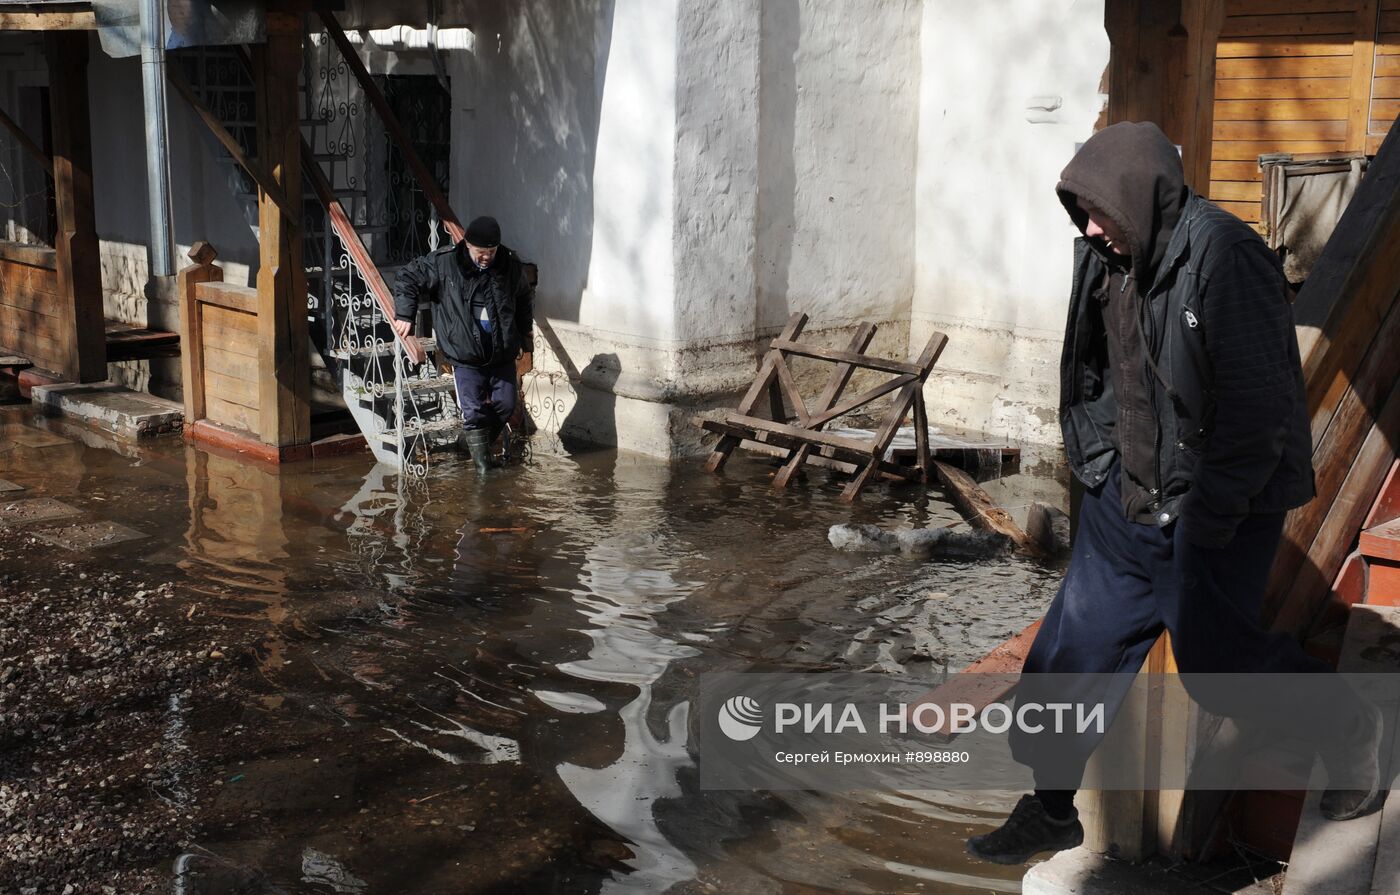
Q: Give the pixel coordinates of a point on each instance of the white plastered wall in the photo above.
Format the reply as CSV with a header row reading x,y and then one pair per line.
x,y
686,176
797,134
564,129
1008,89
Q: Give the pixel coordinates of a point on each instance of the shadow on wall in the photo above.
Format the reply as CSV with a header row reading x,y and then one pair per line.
x,y
204,206
593,419
532,132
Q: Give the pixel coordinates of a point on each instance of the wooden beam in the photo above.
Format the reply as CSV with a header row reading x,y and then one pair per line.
x,y
28,144
789,386
284,408
898,411
216,127
759,424
1190,106
84,339
980,510
203,270
72,19
1366,470
864,397
777,444
863,361
1162,69
1346,325
1363,56
1351,286
922,458
1334,452
391,124
767,375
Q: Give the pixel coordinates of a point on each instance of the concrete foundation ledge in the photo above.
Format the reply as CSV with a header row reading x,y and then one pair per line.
x,y
110,407
1083,872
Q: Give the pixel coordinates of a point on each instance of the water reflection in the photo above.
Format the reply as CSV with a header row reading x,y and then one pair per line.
x,y
499,673
627,580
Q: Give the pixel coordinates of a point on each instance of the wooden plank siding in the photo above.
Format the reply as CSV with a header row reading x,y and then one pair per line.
x,y
1300,76
1291,76
30,316
230,354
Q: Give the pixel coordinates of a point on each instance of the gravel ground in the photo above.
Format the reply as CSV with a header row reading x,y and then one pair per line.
x,y
98,702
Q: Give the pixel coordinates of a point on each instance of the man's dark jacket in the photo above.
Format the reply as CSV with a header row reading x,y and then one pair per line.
x,y
449,279
1217,356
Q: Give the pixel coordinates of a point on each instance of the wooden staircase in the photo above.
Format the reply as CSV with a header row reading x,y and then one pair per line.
x,y
1378,549
403,404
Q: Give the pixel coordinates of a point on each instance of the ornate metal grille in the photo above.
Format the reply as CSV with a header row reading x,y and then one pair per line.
x,y
424,110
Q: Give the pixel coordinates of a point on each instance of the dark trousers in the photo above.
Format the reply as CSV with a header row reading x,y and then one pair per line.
x,y
1126,583
487,394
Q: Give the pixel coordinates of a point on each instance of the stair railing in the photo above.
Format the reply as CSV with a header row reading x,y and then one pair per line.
x,y
424,411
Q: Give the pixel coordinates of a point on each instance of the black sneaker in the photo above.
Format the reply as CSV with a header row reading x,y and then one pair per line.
x,y
1026,833
1363,763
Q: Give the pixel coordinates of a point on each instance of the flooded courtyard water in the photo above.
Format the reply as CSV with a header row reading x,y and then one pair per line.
x,y
471,686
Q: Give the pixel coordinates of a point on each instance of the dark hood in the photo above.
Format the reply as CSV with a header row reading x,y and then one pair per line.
x,y
1133,173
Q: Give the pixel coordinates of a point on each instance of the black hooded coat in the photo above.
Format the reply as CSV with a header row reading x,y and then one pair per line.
x,y
1180,359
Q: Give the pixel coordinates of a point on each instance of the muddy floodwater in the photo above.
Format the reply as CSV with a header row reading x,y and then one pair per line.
x,y
486,687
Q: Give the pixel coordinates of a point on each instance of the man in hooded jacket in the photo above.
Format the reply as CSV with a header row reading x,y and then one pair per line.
x,y
1185,417
483,320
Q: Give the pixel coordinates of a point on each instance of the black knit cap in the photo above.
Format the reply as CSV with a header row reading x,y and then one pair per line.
x,y
484,233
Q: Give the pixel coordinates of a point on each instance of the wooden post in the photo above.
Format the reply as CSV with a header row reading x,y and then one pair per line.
x,y
1162,69
203,270
285,377
84,338
1363,57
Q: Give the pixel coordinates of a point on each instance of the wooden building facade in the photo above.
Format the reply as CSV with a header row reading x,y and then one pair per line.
x,y
1309,76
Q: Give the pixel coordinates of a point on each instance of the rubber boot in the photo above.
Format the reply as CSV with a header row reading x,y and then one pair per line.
x,y
478,443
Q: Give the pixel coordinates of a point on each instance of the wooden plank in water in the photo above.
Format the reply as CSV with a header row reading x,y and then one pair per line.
x,y
969,497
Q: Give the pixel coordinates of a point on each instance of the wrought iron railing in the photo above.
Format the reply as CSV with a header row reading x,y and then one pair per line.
x,y
412,405
373,203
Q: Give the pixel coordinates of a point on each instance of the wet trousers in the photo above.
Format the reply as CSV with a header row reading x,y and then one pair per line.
x,y
487,395
1126,583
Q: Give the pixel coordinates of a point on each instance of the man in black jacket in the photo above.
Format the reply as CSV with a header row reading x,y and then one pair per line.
x,y
483,318
1185,417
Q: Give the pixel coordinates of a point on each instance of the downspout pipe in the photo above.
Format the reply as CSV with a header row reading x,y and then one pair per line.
x,y
157,137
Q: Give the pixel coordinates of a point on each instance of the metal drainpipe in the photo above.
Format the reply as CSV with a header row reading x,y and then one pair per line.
x,y
157,137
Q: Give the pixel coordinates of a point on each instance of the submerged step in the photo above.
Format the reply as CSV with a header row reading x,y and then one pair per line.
x,y
440,427
112,407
